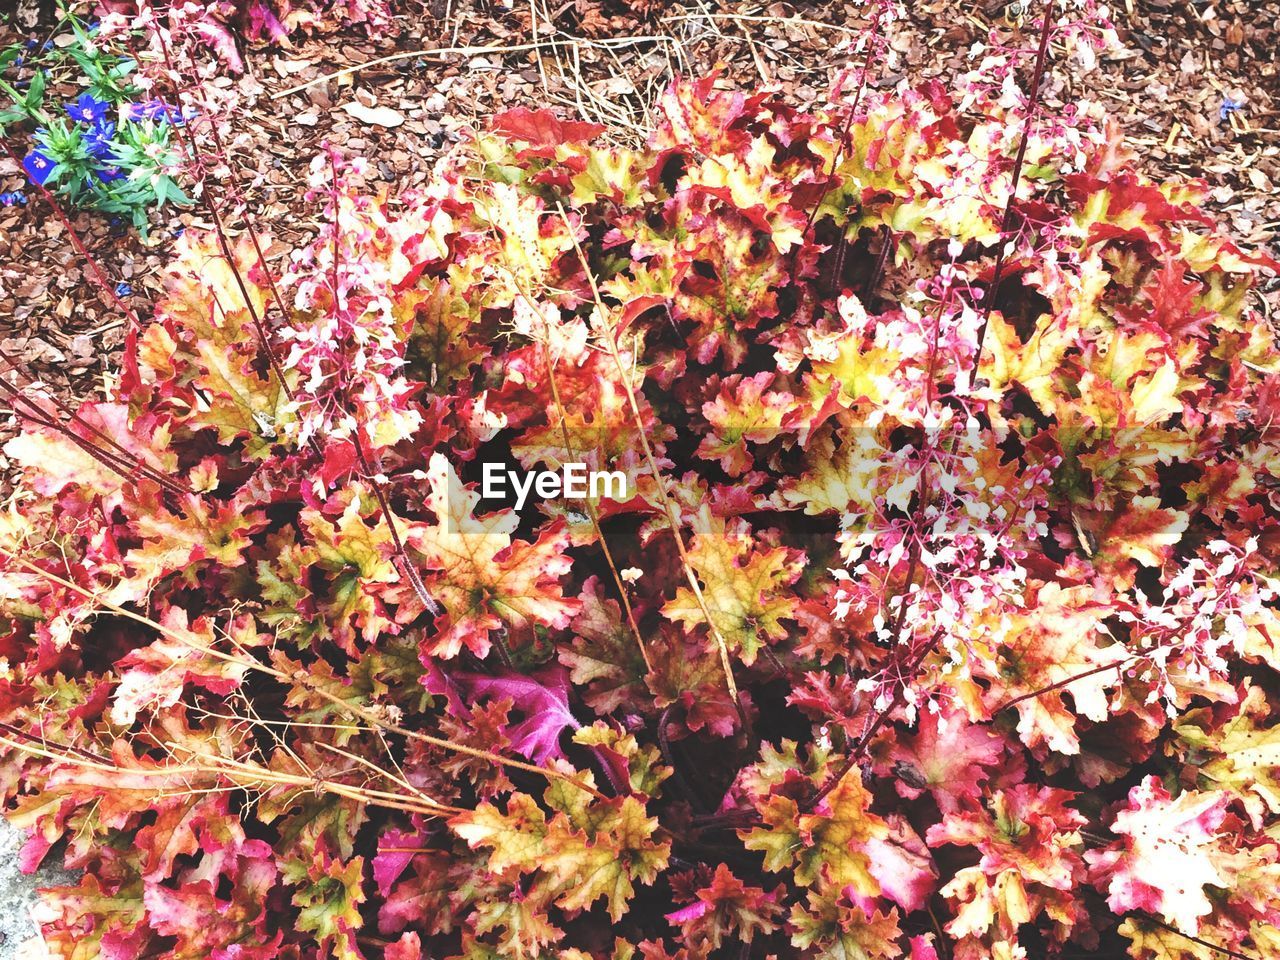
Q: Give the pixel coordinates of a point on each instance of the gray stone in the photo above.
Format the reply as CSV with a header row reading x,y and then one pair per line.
x,y
18,896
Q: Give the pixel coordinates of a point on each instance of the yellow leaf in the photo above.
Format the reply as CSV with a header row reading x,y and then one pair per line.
x,y
1033,364
1150,941
744,586
478,589
1244,752
825,843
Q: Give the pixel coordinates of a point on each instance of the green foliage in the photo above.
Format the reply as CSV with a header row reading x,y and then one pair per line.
x,y
112,153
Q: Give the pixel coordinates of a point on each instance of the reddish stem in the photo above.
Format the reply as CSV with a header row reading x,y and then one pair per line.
x,y
403,562
402,556
32,411
135,323
1006,221
88,258
865,740
233,191
922,498
31,738
1115,665
220,230
873,33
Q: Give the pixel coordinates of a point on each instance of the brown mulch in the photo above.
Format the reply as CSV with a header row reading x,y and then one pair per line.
x,y
1180,63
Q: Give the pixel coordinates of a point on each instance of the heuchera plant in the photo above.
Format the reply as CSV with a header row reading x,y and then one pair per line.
x,y
938,620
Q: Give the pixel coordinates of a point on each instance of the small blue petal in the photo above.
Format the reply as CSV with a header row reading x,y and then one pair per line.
x,y
38,166
87,109
98,141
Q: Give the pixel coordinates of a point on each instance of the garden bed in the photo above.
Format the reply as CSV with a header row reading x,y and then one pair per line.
x,y
1167,88
922,600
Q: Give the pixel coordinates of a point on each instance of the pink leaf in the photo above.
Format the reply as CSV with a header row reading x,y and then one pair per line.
x,y
902,865
408,947
542,697
394,853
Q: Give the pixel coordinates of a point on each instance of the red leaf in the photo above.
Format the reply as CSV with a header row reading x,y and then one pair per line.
x,y
542,128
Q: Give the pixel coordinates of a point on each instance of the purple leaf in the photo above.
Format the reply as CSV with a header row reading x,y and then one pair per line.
x,y
542,697
394,853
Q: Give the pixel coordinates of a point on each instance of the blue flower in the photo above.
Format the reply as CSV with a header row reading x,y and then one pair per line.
x,y
123,290
39,166
87,109
1229,107
14,198
98,140
156,110
108,174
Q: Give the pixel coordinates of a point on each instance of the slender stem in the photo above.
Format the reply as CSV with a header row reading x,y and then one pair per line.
x,y
233,188
1006,221
124,464
241,776
592,512
16,366
1084,674
608,337
864,741
224,243
32,738
923,496
99,277
1226,951
406,566
871,35
664,745
403,562
882,259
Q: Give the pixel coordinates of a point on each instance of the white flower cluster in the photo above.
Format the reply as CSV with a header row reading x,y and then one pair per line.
x,y
1214,606
347,335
